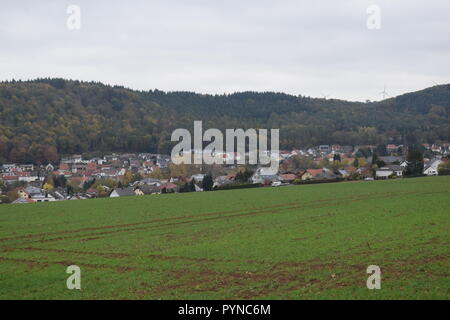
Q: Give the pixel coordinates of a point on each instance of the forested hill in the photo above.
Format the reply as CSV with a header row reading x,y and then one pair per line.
x,y
43,119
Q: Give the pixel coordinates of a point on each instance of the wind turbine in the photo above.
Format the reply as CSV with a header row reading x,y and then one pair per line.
x,y
384,93
325,96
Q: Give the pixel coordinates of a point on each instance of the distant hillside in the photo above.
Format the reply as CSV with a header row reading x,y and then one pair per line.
x,y
42,119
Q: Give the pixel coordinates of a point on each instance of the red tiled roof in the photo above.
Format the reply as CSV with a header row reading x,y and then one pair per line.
x,y
10,178
288,177
168,186
314,172
24,174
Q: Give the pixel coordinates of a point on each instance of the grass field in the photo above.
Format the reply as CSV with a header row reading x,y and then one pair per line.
x,y
296,242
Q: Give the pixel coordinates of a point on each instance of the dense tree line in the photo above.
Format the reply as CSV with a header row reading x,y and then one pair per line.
x,y
43,119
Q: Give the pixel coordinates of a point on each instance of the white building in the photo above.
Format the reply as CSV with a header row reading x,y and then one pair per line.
x,y
198,177
27,176
40,197
432,168
265,174
385,172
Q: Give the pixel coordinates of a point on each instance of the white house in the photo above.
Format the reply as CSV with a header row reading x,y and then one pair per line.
x,y
124,192
198,177
385,172
398,170
77,158
197,188
27,167
265,174
432,168
40,197
27,176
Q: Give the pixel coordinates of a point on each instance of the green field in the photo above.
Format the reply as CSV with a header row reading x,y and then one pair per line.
x,y
296,242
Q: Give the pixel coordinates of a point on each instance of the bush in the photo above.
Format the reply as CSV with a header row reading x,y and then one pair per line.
x,y
4,199
313,181
444,168
239,186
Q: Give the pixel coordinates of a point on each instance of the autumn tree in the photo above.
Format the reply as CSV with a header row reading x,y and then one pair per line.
x,y
157,174
127,178
444,168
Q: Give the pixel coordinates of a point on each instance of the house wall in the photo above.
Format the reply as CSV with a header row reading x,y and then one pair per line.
x,y
383,174
431,172
114,194
306,176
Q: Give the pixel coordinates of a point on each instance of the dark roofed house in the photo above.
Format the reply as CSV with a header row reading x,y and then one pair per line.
x,y
391,159
32,190
92,192
264,175
135,164
431,169
23,200
398,170
223,180
36,184
122,192
325,175
387,171
59,193
149,181
163,162
79,167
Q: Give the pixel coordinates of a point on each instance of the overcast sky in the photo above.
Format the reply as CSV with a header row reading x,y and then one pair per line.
x,y
311,48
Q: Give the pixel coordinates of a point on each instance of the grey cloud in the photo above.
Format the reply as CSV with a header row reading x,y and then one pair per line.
x,y
298,47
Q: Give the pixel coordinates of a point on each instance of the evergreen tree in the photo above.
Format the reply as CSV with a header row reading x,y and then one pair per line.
x,y
69,190
185,187
192,186
77,117
208,182
414,161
